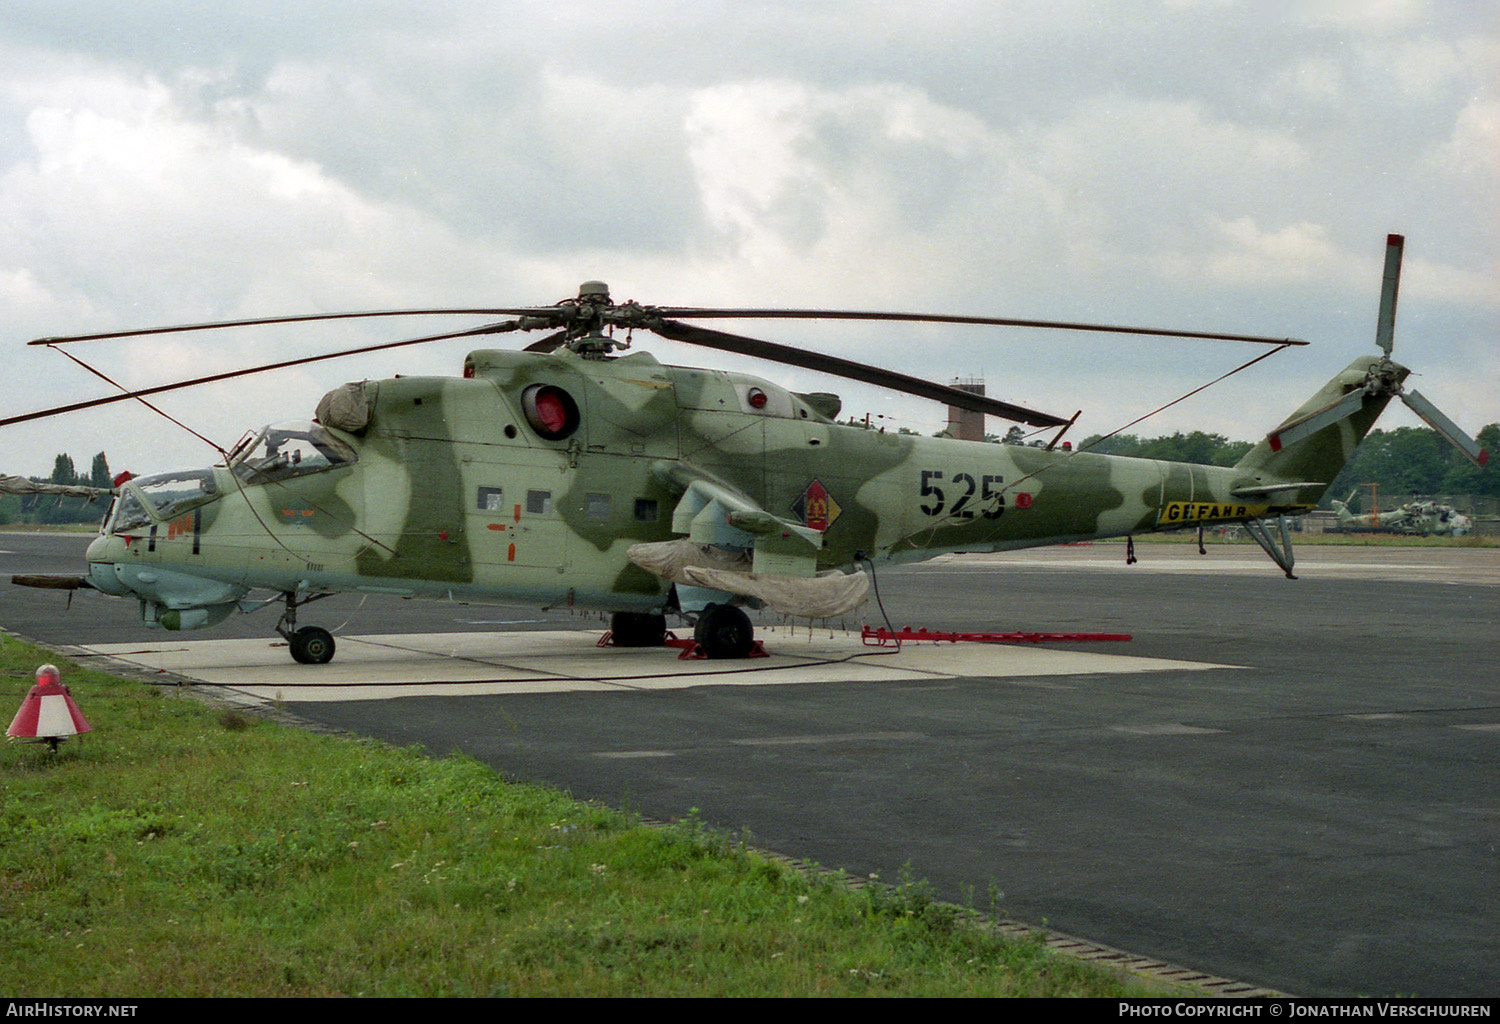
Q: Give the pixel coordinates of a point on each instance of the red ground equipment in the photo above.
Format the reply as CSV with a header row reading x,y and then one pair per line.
x,y
48,712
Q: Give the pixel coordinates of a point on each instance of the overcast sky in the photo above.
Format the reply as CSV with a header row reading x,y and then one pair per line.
x,y
1199,164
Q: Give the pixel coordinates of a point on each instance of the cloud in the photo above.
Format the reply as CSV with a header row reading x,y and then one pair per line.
x,y
1194,165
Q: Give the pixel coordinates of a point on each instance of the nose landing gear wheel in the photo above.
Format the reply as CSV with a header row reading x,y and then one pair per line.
x,y
312,646
723,631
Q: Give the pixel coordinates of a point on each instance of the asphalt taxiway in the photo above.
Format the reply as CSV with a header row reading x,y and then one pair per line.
x,y
1293,783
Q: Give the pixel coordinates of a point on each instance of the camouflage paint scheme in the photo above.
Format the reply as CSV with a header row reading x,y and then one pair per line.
x,y
451,493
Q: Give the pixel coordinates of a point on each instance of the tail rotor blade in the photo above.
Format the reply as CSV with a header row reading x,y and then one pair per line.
x,y
1291,433
1443,425
1385,328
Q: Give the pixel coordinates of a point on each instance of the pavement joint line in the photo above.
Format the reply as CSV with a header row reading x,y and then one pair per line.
x,y
784,666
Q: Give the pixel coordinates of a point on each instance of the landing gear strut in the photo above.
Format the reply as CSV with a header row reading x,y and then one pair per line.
x,y
1280,553
310,645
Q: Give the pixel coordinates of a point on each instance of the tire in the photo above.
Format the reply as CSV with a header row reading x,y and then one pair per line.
x,y
638,629
312,646
723,631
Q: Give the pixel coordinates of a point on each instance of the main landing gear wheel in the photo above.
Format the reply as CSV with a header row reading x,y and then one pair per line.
x,y
723,631
637,629
312,645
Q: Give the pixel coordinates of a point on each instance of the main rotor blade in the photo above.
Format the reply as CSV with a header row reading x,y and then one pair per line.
x,y
304,318
1443,425
1385,326
22,485
684,312
548,344
854,371
499,328
634,315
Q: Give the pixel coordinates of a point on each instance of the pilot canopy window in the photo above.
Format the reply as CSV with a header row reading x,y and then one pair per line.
x,y
285,450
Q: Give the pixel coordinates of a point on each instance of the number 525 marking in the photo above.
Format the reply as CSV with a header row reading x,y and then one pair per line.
x,y
964,485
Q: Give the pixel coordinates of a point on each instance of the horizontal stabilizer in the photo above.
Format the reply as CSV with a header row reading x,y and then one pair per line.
x,y
1260,490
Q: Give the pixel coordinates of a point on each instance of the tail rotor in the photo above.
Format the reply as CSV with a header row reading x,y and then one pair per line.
x,y
1383,379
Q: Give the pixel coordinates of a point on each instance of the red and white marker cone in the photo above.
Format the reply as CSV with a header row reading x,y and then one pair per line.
x,y
48,712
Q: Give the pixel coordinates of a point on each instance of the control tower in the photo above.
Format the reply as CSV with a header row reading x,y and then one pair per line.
x,y
963,423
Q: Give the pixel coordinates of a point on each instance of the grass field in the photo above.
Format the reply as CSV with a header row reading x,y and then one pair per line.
x,y
184,850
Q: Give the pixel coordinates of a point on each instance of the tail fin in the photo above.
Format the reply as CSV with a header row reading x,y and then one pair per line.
x,y
1342,507
1297,461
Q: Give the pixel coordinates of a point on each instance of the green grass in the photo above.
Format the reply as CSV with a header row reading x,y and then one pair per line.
x,y
183,850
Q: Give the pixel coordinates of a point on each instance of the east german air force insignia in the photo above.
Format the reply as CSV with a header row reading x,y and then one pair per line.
x,y
816,507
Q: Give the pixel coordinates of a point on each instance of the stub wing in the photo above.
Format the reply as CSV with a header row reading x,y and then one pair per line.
x,y
733,548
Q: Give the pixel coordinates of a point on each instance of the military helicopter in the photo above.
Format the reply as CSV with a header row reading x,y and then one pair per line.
x,y
1418,517
575,473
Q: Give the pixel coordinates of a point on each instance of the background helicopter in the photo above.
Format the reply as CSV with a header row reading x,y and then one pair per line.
x,y
1419,518
566,474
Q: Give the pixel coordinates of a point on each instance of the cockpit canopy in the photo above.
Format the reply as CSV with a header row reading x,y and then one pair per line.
x,y
284,450
277,452
166,496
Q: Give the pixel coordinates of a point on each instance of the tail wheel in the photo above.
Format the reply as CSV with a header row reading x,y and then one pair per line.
x,y
723,631
312,646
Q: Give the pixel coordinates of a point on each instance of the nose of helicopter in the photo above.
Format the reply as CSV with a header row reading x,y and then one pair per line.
x,y
102,554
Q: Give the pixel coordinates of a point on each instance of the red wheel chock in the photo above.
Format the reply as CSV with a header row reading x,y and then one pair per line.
x,y
690,651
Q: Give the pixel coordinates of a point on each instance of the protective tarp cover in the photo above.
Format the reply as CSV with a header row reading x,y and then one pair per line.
x,y
821,597
669,558
21,485
346,408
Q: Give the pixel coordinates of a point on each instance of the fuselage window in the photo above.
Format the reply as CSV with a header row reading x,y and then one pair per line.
x,y
596,506
645,510
538,502
491,499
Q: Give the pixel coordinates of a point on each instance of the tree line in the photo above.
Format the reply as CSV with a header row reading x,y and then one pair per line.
x,y
1401,462
57,509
